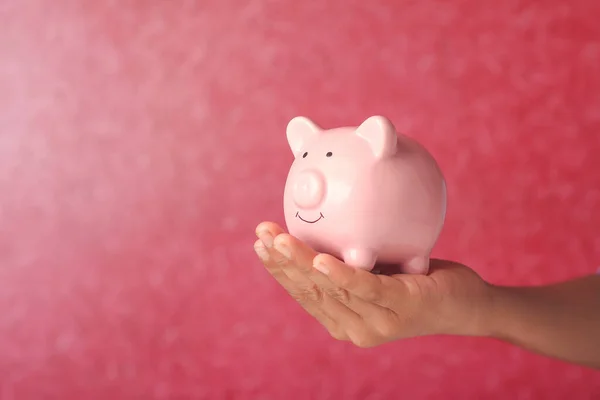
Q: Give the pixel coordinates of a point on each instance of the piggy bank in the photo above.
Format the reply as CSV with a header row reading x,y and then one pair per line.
x,y
364,194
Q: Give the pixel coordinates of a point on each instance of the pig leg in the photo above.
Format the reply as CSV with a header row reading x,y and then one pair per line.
x,y
417,265
359,258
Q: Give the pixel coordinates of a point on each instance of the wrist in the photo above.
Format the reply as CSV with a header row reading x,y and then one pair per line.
x,y
459,303
496,323
485,312
473,313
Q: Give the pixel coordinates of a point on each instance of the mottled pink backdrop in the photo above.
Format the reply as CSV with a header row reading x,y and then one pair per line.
x,y
142,141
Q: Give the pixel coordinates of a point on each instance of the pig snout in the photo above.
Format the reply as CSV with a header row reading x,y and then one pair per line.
x,y
308,189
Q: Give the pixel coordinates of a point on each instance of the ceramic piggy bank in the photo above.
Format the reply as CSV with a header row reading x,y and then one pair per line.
x,y
364,195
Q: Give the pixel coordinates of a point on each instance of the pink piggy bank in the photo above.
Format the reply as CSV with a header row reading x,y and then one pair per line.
x,y
364,195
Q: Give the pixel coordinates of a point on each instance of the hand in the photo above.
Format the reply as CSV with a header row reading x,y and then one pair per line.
x,y
369,309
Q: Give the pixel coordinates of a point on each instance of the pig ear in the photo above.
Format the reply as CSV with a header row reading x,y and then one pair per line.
x,y
298,131
381,135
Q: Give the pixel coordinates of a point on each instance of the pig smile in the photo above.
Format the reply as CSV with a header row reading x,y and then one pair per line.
x,y
307,221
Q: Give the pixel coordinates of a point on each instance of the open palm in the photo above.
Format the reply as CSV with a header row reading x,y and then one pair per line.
x,y
370,309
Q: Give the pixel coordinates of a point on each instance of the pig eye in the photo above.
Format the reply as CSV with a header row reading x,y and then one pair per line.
x,y
329,154
304,155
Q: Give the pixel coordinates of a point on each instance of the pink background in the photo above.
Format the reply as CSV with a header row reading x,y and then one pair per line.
x,y
142,141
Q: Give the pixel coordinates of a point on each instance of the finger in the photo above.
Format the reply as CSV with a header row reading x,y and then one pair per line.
x,y
294,256
288,249
272,267
297,262
307,295
367,294
267,231
274,261
308,299
378,289
298,266
289,255
358,305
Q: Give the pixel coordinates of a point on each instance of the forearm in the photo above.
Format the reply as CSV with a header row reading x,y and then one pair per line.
x,y
561,320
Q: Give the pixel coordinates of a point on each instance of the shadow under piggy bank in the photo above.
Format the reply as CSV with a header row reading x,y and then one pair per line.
x,y
387,269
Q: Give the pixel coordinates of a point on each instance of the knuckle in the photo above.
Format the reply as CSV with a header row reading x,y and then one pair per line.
x,y
362,341
338,334
386,330
344,281
362,337
309,294
281,261
277,273
372,295
339,294
414,287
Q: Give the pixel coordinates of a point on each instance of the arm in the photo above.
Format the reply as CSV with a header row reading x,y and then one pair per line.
x,y
560,320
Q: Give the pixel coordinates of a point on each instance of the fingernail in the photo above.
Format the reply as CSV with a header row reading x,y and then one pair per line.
x,y
261,251
322,268
266,238
284,250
